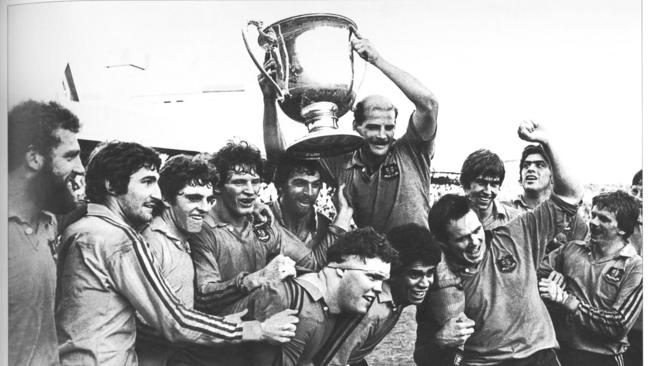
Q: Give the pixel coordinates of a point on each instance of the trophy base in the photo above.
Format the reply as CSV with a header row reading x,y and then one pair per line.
x,y
324,143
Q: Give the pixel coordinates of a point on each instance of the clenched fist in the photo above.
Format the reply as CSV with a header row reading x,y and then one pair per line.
x,y
532,131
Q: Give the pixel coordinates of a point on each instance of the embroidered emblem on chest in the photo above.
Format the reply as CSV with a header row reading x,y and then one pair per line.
x,y
262,233
506,263
389,171
614,275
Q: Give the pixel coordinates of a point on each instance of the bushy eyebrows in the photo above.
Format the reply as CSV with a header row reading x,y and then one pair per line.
x,y
72,153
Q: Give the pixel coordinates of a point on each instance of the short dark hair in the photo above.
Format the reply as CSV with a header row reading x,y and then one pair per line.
x,y
115,162
365,243
32,125
288,166
236,153
481,162
182,170
624,205
530,150
638,178
413,243
449,207
360,111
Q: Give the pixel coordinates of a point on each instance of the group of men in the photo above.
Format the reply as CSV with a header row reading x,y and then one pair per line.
x,y
179,263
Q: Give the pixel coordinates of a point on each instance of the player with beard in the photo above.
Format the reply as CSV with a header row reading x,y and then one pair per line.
x,y
387,180
604,284
43,158
481,177
108,272
411,277
498,269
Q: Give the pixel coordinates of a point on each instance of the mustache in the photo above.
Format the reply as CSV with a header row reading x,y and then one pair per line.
x,y
379,140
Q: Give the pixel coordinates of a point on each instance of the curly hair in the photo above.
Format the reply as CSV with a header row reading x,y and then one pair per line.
x,y
32,125
182,170
365,243
236,154
624,205
289,166
115,162
530,150
449,207
413,243
481,162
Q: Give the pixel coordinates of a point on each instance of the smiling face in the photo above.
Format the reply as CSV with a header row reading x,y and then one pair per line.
x,y
482,191
603,226
141,197
378,130
412,283
300,192
535,173
360,283
239,191
466,239
192,204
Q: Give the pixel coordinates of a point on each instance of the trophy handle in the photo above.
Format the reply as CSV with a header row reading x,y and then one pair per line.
x,y
258,25
355,83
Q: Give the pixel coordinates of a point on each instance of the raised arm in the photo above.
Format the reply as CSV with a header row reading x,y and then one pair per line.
x,y
564,184
426,106
274,143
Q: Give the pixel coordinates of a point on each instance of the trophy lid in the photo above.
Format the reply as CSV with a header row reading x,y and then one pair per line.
x,y
324,143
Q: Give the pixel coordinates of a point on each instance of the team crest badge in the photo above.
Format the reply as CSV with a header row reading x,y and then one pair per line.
x,y
506,263
262,233
614,275
389,171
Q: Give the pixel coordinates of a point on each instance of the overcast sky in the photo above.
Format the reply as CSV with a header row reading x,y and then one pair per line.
x,y
574,65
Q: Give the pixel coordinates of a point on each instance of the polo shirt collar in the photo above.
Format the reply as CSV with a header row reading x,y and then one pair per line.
x,y
213,221
521,202
499,209
42,215
277,212
386,295
627,251
96,209
357,158
312,290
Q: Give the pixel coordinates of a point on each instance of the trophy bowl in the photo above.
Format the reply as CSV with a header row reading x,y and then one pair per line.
x,y
314,78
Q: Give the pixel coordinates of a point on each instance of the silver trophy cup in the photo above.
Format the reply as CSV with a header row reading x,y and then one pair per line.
x,y
314,78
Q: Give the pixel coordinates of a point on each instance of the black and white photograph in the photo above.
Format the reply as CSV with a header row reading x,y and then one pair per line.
x,y
312,183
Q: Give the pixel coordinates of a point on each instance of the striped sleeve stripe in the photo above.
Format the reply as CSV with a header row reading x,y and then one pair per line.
x,y
345,324
622,316
187,318
297,294
215,296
